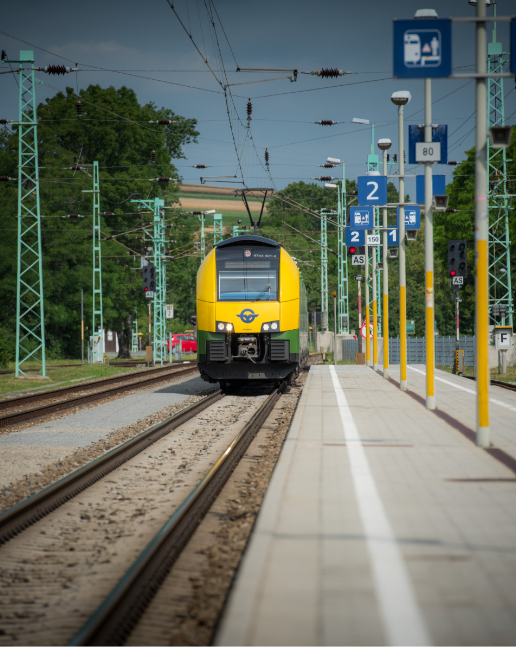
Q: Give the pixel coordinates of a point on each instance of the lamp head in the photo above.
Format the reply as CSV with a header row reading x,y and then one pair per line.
x,y
401,98
422,14
373,173
360,121
330,186
500,136
209,213
333,160
473,3
384,144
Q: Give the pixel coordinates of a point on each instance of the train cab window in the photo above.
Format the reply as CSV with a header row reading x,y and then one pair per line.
x,y
247,273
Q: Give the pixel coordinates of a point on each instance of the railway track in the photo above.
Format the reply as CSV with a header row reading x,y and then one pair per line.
x,y
31,510
83,394
503,385
116,617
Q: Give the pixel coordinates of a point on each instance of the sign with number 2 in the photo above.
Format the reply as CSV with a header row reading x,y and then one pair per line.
x,y
372,190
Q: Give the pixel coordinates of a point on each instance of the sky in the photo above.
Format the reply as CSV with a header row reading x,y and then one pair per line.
x,y
142,45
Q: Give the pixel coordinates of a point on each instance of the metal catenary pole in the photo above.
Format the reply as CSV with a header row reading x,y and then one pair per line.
x,y
324,268
402,279
385,286
500,291
98,320
429,258
218,232
481,237
160,322
342,278
30,315
375,313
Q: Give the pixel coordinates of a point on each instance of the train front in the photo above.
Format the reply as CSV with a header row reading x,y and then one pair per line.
x,y
248,301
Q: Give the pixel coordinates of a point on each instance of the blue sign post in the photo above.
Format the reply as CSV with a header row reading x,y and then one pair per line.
x,y
417,134
372,189
361,217
438,187
354,237
412,217
422,49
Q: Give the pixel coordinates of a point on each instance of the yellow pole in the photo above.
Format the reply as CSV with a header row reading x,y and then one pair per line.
x,y
429,258
481,231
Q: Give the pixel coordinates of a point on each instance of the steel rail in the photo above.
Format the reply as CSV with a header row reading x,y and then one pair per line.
x,y
27,512
89,386
41,411
115,618
504,385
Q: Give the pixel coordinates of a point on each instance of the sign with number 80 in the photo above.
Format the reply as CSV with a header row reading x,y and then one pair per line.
x,y
372,190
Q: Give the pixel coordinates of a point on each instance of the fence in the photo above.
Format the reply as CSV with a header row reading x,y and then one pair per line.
x,y
444,350
416,350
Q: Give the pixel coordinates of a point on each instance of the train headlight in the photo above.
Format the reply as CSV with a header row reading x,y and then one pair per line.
x,y
270,326
223,325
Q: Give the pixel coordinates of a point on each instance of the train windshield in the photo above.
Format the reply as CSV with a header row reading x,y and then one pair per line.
x,y
247,273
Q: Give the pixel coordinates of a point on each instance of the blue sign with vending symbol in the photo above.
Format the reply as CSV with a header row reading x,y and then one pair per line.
x,y
422,48
412,217
361,217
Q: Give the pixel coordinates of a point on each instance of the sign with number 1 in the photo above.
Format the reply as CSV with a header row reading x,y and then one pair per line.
x,y
372,190
393,238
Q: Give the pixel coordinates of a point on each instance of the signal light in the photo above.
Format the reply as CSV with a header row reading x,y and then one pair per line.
x,y
193,320
352,250
453,273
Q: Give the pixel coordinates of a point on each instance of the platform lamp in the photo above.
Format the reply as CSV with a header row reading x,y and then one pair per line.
x,y
400,99
384,145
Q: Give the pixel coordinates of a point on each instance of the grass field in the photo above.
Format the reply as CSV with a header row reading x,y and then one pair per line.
x,y
510,376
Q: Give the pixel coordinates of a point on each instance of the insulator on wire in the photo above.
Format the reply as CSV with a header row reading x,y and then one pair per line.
x,y
266,157
452,163
6,121
249,111
326,122
163,122
164,179
329,73
324,178
108,213
153,158
76,167
200,166
326,165
73,215
5,178
78,107
55,69
4,55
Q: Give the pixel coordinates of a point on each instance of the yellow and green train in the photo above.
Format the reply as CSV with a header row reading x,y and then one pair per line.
x,y
252,316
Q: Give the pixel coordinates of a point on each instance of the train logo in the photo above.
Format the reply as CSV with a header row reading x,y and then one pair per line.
x,y
247,253
247,316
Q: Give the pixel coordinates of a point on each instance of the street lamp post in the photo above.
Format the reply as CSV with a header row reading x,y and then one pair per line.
x,y
384,145
401,99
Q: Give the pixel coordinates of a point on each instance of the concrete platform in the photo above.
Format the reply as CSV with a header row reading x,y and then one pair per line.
x,y
383,523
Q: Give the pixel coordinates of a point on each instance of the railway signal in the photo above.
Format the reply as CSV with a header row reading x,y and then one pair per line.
x,y
149,279
457,260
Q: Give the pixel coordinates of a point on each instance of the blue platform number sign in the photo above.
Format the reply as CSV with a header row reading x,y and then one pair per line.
x,y
412,217
372,190
393,238
354,237
361,217
422,48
